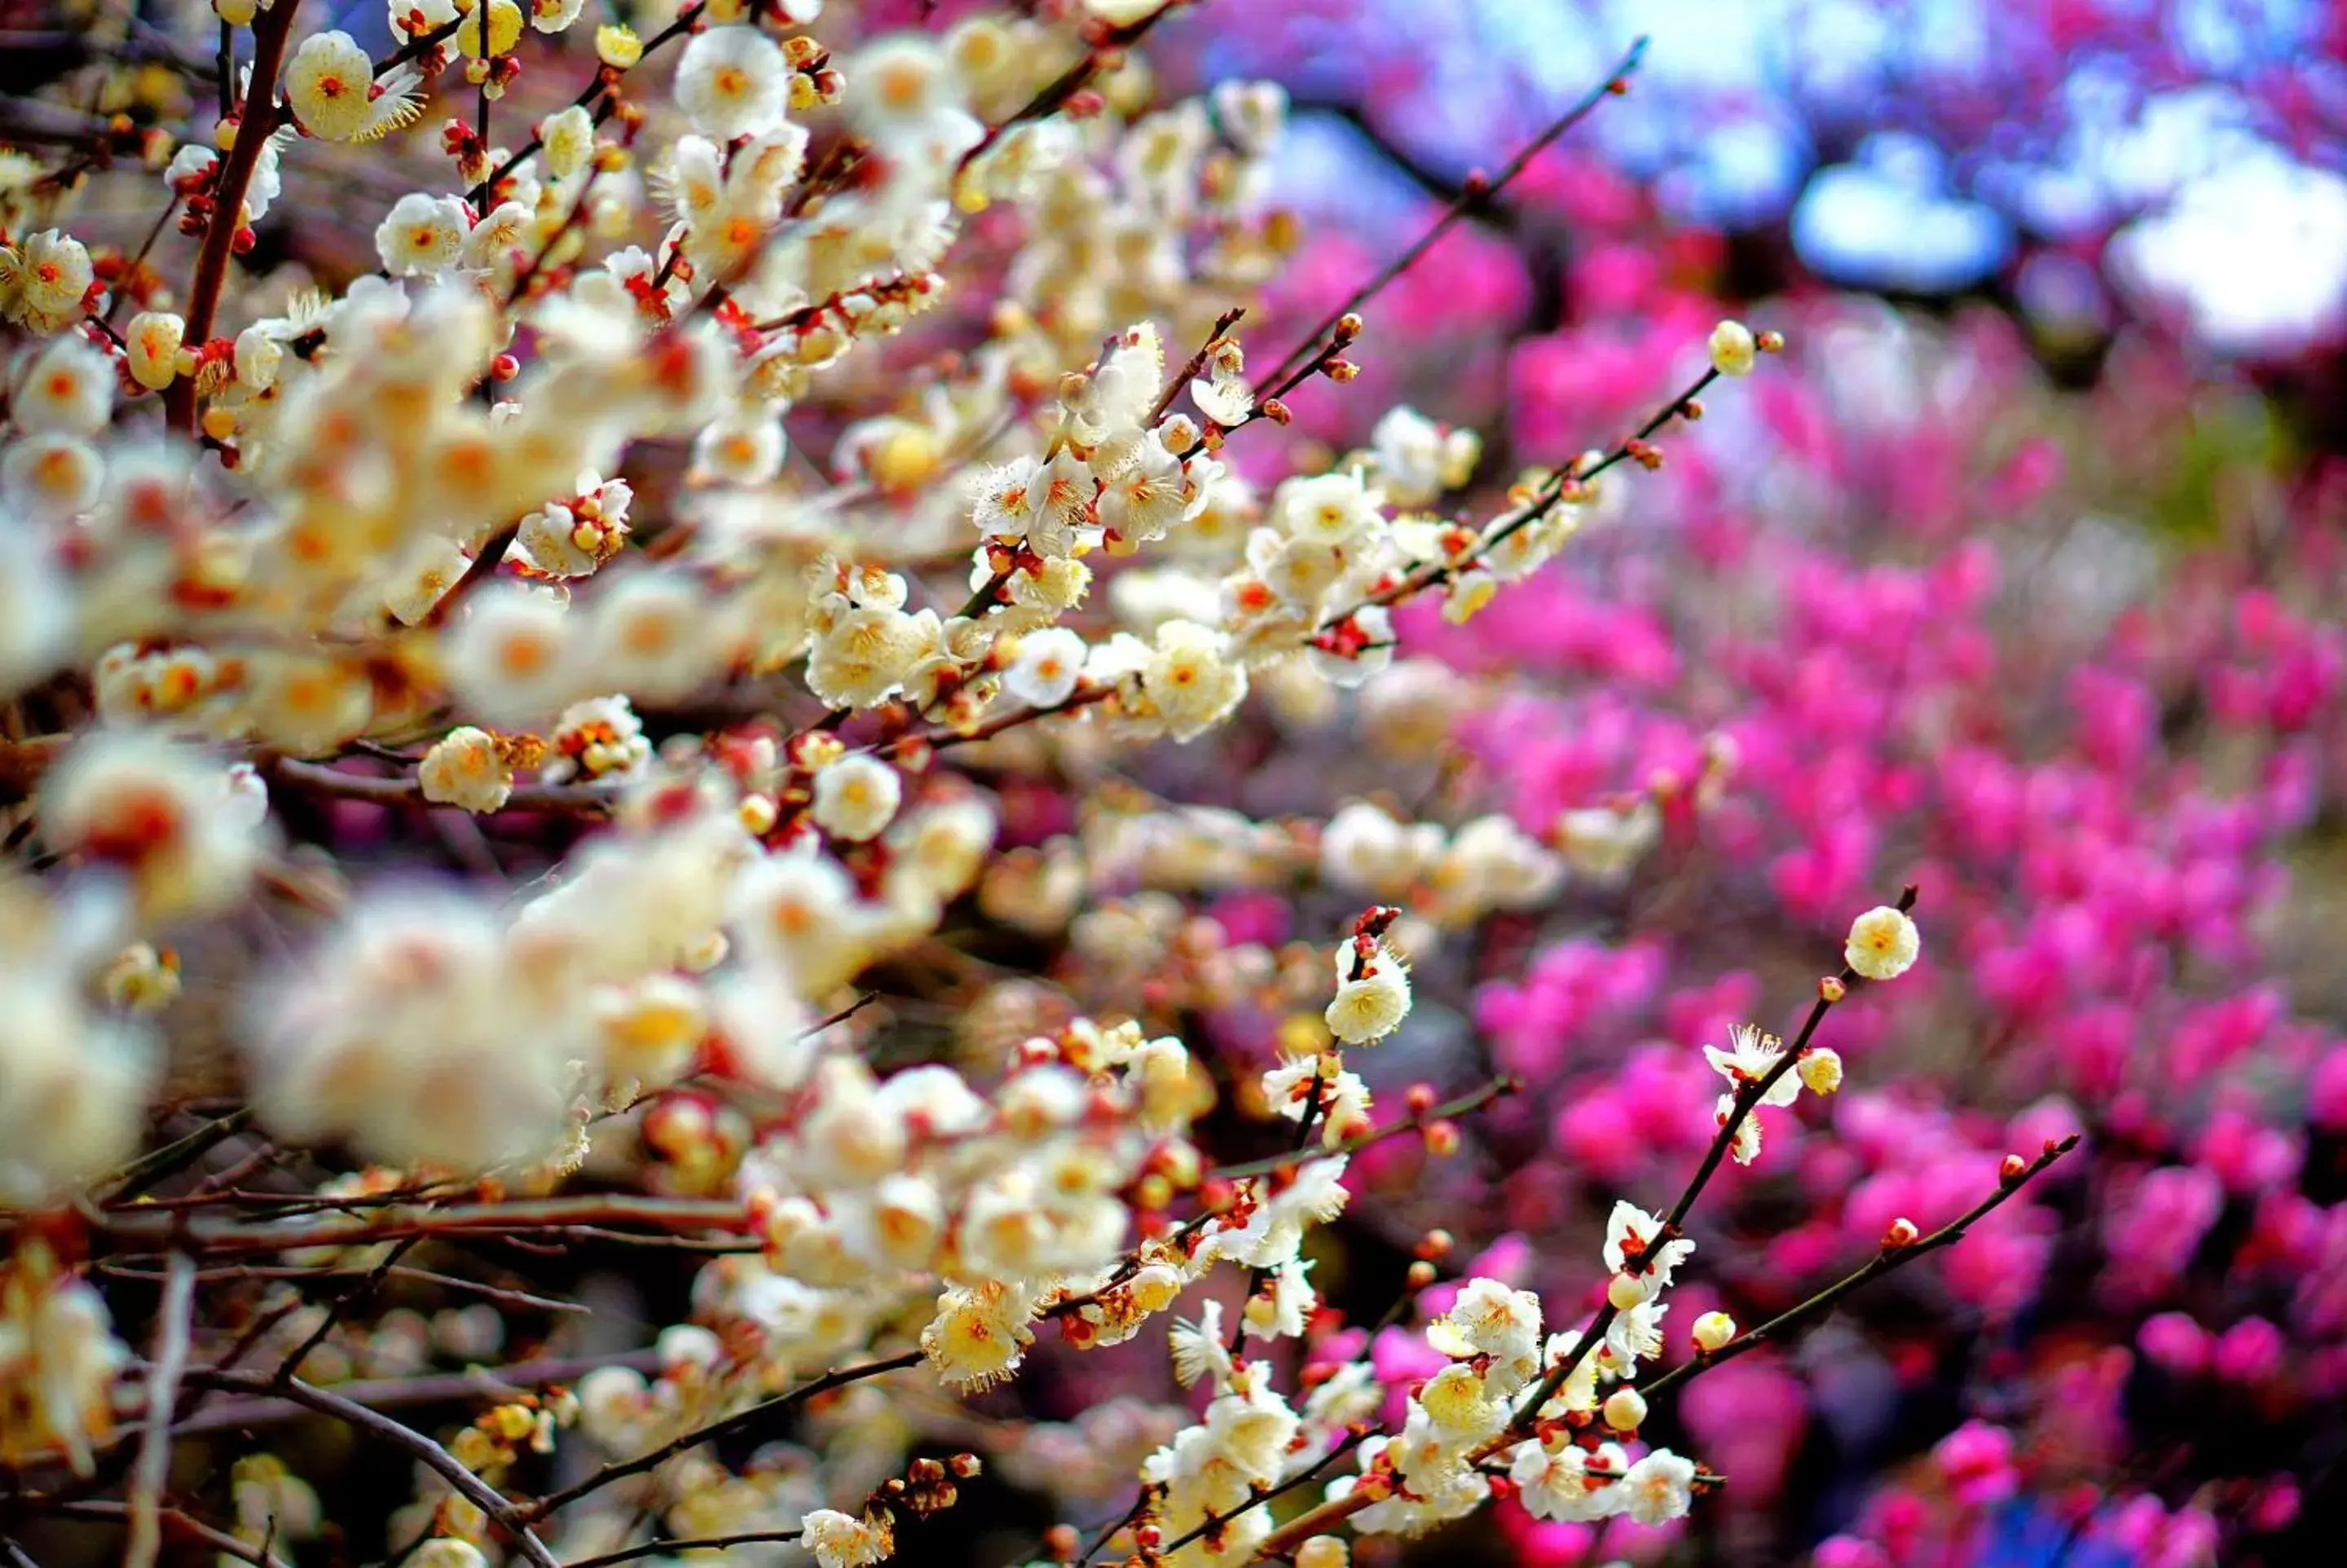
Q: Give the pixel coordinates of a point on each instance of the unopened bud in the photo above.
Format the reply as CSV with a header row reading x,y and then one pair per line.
x,y
2013,1169
1435,1244
1625,1409
1712,1330
757,814
1276,411
965,1465
1831,989
1901,1233
1625,1290
1348,327
1442,1139
1341,369
1421,1274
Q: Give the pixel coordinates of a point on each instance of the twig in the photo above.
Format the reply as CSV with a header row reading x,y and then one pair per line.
x,y
217,1238
430,1454
1539,506
148,1169
942,739
702,1543
271,31
1494,1089
219,1540
365,1286
498,1294
1196,366
1068,83
1477,193
438,1388
173,1324
319,778
715,1431
483,566
1883,1263
607,79
138,259
1746,1101
1353,1440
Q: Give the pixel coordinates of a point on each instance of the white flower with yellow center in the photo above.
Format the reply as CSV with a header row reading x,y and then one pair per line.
x,y
466,768
732,82
1883,944
328,85
421,236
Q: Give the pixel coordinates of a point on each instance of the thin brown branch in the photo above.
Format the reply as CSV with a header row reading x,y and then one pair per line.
x,y
1542,503
217,1540
1055,94
422,1448
666,1548
136,1230
319,778
270,32
1882,1262
1476,1099
174,1322
435,1389
1747,1098
1476,194
715,1431
607,79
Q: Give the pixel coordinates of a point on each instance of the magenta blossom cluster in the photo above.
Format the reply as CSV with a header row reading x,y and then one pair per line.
x,y
1888,627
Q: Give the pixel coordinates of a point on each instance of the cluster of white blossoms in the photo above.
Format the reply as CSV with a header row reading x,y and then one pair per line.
x,y
58,1362
1452,876
879,1189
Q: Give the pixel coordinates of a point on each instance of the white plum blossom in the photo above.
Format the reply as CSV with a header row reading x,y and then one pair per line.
x,y
421,235
856,797
1883,944
732,82
466,768
1750,1057
1372,995
1659,1488
1734,350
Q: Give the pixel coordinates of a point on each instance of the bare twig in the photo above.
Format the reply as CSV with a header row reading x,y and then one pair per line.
x,y
669,1548
217,1540
130,1229
1476,1099
1882,1262
1477,193
715,1431
437,1388
425,1451
173,1323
